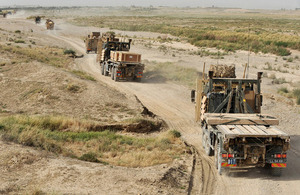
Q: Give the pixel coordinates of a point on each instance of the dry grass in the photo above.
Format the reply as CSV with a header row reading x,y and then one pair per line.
x,y
51,56
76,138
230,33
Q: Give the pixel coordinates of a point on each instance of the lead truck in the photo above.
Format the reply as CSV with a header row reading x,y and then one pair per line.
x,y
233,129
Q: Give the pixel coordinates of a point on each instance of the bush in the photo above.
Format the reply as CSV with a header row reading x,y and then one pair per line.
x,y
19,41
73,88
296,94
90,157
17,31
175,133
283,90
69,51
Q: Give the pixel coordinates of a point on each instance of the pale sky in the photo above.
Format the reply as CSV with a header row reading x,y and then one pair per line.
x,y
248,4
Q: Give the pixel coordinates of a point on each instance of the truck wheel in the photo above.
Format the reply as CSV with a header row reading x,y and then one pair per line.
x,y
218,157
216,154
276,172
105,71
203,140
207,148
138,79
113,73
102,69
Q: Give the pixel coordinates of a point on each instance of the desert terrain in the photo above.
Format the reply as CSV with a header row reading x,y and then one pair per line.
x,y
59,86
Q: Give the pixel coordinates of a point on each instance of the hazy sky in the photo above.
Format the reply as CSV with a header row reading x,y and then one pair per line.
x,y
250,4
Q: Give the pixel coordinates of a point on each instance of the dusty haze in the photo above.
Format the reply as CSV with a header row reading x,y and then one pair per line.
x,y
254,4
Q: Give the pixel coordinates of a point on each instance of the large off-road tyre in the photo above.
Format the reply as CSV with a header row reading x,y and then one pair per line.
x,y
276,172
218,157
113,73
216,154
105,71
203,140
207,148
102,69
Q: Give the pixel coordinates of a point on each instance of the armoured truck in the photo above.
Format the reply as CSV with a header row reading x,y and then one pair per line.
x,y
49,24
233,129
91,42
116,60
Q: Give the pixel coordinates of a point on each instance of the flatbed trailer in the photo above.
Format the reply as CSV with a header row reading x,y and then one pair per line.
x,y
233,129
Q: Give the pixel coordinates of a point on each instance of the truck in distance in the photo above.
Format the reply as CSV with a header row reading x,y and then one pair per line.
x,y
49,24
91,42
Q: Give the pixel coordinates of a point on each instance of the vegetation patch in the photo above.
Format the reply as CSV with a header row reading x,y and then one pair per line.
x,y
48,55
229,33
74,138
83,75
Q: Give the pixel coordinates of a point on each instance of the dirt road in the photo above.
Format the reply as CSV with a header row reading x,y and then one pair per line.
x,y
172,103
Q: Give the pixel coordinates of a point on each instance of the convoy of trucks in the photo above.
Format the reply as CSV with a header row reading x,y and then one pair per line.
x,y
228,108
233,128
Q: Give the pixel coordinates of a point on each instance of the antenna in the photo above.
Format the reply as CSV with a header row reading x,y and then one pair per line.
x,y
248,64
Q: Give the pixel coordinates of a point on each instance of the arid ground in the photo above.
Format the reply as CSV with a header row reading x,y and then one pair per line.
x,y
33,86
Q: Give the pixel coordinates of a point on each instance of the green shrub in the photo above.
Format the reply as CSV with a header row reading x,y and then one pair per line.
x,y
283,90
19,41
296,94
175,133
90,157
17,31
69,51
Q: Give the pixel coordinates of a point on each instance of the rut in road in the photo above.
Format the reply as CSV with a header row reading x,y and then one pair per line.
x,y
170,102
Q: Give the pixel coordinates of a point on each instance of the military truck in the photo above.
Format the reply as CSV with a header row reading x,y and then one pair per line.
x,y
233,128
91,42
49,24
116,60
37,19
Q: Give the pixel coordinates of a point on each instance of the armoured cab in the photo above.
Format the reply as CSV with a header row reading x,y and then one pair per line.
x,y
232,95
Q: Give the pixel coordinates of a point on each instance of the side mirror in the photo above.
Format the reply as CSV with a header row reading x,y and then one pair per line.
x,y
193,95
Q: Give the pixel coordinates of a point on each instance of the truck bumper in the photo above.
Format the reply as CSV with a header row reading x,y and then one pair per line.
x,y
279,165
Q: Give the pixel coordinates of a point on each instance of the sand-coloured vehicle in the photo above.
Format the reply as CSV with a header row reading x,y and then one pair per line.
x,y
233,128
91,42
49,24
116,60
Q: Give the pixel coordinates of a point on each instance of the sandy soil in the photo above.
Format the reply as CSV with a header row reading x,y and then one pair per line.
x,y
171,102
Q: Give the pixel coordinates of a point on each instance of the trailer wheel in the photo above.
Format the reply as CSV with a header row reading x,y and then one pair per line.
x,y
276,172
207,148
113,73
